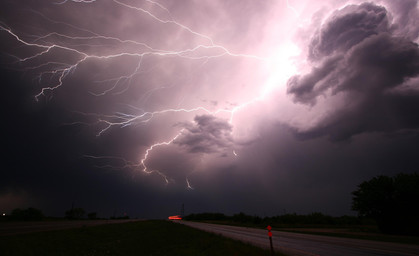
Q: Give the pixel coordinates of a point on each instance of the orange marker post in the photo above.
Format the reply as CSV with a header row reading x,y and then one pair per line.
x,y
270,239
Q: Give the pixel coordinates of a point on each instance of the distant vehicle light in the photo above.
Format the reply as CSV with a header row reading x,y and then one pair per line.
x,y
175,217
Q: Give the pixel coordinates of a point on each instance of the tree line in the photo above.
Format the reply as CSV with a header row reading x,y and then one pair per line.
x,y
285,220
34,214
391,203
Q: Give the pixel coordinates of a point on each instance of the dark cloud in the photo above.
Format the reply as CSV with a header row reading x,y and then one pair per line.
x,y
207,134
348,27
357,56
306,88
364,81
406,15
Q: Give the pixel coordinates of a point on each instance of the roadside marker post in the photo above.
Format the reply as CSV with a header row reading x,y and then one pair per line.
x,y
270,239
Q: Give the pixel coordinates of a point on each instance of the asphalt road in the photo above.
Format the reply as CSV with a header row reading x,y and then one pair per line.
x,y
304,244
13,228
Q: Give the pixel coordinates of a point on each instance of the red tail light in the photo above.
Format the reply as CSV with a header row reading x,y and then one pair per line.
x,y
175,217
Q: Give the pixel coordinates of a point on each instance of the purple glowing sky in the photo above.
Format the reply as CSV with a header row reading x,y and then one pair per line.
x,y
255,106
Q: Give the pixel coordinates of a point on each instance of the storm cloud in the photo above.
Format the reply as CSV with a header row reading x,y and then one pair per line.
x,y
207,134
265,108
357,56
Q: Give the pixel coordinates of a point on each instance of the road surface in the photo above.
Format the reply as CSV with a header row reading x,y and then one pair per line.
x,y
13,228
304,244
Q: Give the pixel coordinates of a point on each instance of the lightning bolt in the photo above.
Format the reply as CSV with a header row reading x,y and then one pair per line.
x,y
58,71
165,143
289,6
189,186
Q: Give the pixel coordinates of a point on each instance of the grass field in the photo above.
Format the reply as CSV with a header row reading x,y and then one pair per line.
x,y
135,238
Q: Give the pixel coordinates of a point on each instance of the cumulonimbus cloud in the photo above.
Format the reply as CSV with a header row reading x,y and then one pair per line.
x,y
358,53
207,134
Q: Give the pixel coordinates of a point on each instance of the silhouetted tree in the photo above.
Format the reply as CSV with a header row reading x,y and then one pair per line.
x,y
92,215
30,214
242,218
391,201
206,216
74,213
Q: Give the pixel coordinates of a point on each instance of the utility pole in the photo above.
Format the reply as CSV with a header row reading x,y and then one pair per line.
x,y
182,210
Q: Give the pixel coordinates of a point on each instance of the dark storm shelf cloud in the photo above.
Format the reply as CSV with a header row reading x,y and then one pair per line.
x,y
356,53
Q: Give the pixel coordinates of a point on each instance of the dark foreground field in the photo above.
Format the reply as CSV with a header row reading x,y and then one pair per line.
x,y
134,238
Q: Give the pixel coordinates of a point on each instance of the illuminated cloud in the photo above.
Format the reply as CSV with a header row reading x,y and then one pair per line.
x,y
207,134
357,56
346,28
125,103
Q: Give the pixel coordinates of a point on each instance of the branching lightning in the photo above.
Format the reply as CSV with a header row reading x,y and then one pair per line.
x,y
58,71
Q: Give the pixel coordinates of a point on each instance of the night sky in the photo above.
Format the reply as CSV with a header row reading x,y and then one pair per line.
x,y
265,107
